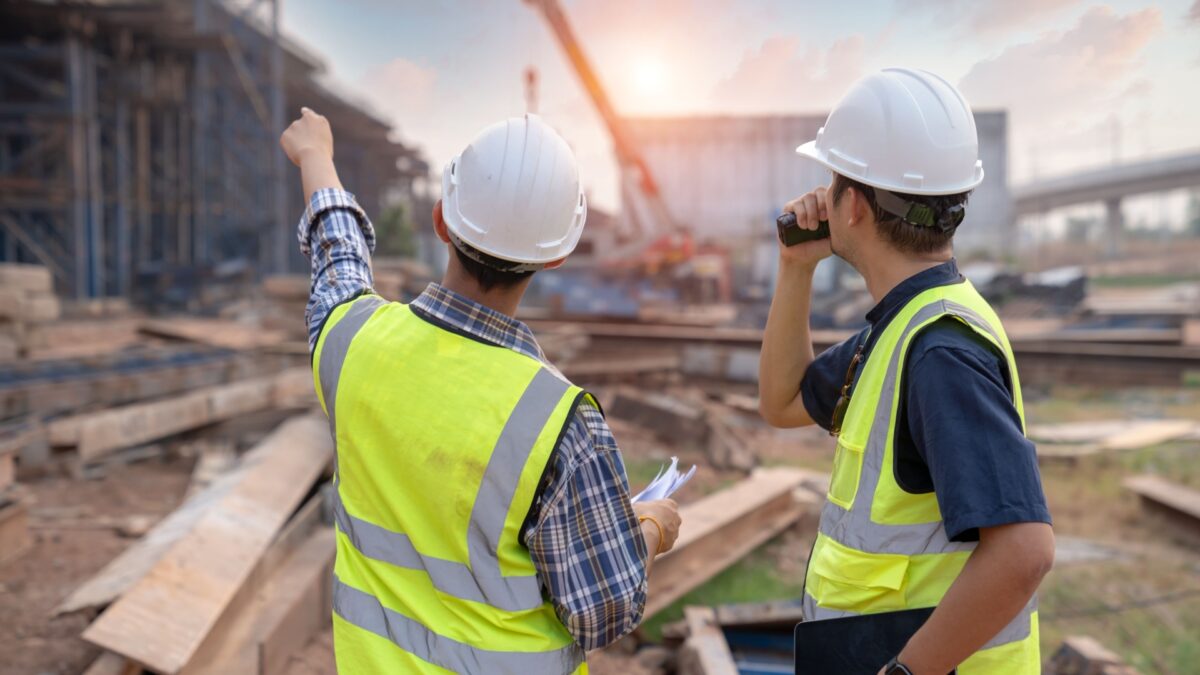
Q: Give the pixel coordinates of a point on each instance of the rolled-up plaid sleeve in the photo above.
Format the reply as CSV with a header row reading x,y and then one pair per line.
x,y
586,543
338,238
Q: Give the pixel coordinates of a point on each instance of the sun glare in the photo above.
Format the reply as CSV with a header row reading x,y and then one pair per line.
x,y
649,75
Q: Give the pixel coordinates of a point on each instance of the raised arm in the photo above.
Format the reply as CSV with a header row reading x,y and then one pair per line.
x,y
334,232
787,349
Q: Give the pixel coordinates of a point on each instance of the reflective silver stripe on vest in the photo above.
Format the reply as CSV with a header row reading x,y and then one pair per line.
x,y
1018,629
482,580
854,527
364,611
335,347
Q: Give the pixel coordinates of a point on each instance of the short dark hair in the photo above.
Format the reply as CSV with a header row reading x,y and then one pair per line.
x,y
487,276
902,235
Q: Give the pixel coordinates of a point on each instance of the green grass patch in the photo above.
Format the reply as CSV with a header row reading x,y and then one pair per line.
x,y
752,579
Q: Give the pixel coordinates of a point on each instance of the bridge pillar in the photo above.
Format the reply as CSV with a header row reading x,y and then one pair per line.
x,y
1114,226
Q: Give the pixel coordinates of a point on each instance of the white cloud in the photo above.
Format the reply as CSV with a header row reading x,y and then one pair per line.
x,y
982,17
1064,90
782,75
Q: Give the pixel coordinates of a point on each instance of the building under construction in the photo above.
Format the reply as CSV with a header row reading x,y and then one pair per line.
x,y
138,141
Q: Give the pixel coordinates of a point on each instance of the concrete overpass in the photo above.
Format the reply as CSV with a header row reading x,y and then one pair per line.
x,y
1108,186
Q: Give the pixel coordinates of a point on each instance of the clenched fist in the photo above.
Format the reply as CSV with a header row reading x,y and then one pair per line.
x,y
308,136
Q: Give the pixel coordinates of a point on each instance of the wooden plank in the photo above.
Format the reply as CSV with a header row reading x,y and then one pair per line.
x,y
1164,493
26,277
725,526
109,663
122,572
1146,434
232,646
705,652
14,531
294,388
103,432
164,618
8,471
214,332
99,433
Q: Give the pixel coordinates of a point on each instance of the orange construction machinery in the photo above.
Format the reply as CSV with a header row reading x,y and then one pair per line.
x,y
658,247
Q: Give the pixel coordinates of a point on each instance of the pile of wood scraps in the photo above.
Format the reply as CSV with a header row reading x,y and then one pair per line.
x,y
687,419
235,580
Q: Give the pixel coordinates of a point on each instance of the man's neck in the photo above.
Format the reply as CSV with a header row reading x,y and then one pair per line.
x,y
888,271
503,300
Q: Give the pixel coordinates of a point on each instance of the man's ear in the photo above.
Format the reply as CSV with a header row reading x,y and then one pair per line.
x,y
554,264
439,223
860,210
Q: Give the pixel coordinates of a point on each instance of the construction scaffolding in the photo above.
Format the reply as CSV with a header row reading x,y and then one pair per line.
x,y
138,142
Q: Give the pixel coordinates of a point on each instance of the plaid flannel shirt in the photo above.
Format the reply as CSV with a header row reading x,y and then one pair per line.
x,y
581,532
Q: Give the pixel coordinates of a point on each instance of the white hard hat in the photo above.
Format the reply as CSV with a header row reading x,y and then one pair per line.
x,y
514,194
902,130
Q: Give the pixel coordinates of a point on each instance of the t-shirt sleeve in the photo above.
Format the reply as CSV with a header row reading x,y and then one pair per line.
x,y
967,429
822,382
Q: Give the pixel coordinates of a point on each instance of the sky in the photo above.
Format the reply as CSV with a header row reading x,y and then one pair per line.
x,y
1085,83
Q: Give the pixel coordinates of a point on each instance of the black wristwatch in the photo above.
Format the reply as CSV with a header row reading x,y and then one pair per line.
x,y
894,667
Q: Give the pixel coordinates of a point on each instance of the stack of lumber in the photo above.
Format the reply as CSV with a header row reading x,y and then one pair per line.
x,y
27,301
688,420
235,580
93,435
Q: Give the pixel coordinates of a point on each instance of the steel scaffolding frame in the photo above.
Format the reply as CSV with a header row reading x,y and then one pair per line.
x,y
138,139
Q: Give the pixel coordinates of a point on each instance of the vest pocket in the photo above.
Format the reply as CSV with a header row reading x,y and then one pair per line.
x,y
856,581
847,468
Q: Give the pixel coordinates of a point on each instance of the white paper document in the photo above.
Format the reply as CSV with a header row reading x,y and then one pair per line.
x,y
665,483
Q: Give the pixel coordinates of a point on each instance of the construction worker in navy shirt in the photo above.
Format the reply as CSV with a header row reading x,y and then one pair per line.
x,y
935,498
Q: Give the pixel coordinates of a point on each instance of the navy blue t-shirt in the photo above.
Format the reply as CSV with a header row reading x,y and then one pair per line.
x,y
958,433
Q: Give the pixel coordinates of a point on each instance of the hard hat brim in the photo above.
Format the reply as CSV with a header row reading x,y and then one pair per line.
x,y
811,151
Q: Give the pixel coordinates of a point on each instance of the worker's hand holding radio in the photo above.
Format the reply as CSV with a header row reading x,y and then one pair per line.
x,y
308,142
665,526
804,229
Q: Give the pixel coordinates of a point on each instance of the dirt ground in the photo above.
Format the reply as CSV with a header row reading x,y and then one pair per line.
x,y
67,549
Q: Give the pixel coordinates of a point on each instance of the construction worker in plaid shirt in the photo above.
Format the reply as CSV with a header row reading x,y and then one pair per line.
x,y
483,512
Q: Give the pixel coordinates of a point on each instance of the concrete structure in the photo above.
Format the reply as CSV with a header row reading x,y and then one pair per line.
x,y
1109,185
727,177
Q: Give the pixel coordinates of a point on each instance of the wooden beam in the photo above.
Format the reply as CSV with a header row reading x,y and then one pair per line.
x,y
705,652
8,471
723,527
214,332
232,645
109,663
162,621
14,530
122,572
1175,501
99,433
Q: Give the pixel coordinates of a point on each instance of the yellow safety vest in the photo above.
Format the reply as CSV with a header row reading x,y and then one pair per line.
x,y
880,548
441,443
